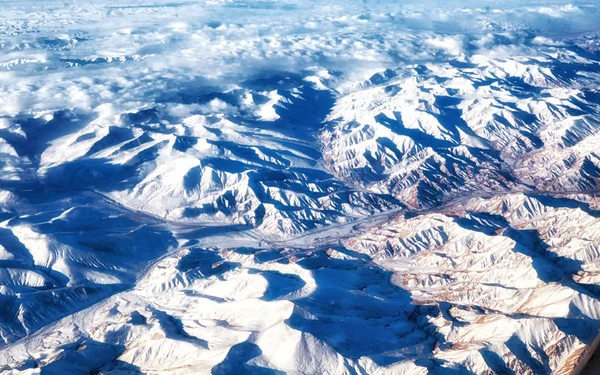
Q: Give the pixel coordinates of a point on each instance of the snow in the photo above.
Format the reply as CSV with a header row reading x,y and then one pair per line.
x,y
298,186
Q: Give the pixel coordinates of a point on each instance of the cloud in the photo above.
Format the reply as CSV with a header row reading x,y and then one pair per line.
x,y
452,45
131,57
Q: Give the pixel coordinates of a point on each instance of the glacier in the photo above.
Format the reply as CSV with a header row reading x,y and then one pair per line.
x,y
302,187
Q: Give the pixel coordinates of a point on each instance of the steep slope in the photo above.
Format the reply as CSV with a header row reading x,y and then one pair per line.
x,y
64,250
242,156
514,275
431,132
506,282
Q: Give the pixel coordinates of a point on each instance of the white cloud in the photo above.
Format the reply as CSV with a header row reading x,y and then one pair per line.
x,y
128,56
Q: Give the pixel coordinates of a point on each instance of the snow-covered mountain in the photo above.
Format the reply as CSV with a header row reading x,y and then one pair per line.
x,y
299,187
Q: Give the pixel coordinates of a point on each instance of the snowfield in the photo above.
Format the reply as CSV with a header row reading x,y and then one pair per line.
x,y
302,187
